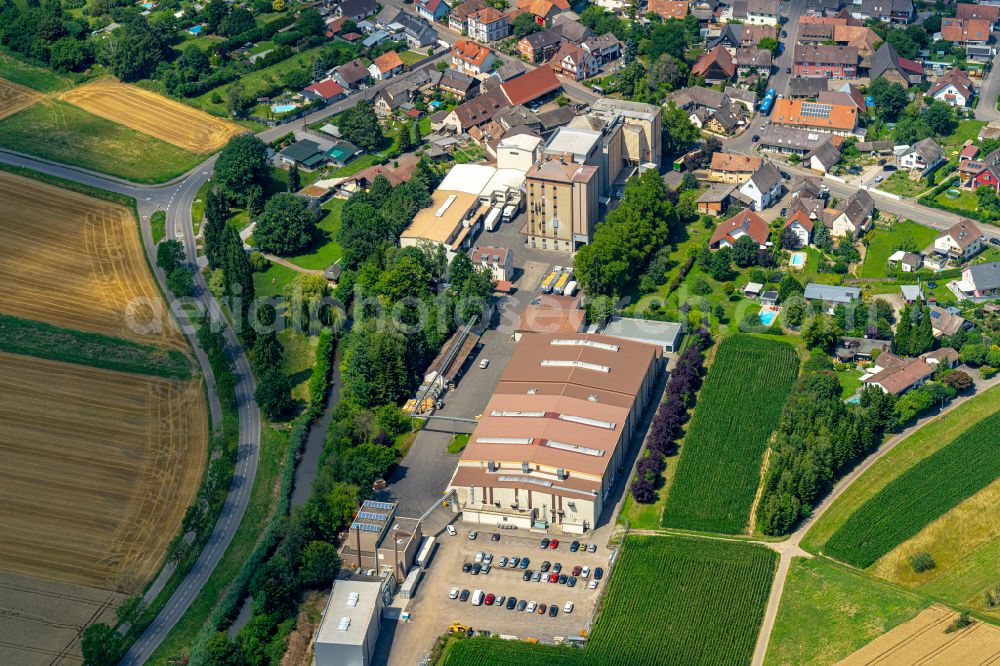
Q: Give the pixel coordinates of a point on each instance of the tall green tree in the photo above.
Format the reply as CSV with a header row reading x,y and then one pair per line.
x,y
286,226
216,214
242,163
375,366
294,179
360,126
101,645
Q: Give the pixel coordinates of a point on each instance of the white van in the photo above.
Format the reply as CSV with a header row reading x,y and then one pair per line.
x,y
477,598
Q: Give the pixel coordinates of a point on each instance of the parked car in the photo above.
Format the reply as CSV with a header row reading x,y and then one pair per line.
x,y
592,585
554,578
890,167
476,568
464,596
546,565
536,577
514,561
553,544
784,33
451,530
575,546
784,212
486,569
577,569
879,179
479,556
531,607
467,567
592,548
503,561
495,536
485,363
995,241
522,604
500,600
598,573
543,544
755,138
882,162
563,578
553,610
453,594
585,572
788,70
490,598
784,174
557,567
524,563
511,602
541,609
568,608
472,535
526,575
571,582
488,558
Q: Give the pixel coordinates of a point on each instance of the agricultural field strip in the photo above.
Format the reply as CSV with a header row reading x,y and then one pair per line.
x,y
738,409
14,97
87,271
152,114
925,492
641,622
966,580
99,467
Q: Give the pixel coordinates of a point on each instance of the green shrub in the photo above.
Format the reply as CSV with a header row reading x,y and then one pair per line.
x,y
921,562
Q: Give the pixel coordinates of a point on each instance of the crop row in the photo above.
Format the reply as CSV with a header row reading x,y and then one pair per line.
x,y
696,601
925,492
738,409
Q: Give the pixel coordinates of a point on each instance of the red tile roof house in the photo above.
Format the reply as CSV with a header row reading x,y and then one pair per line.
x,y
328,89
953,87
802,225
966,31
745,223
897,375
825,61
576,63
472,58
716,65
967,11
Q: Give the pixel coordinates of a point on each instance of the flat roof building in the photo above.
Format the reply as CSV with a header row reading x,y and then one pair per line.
x,y
554,437
349,630
667,335
379,539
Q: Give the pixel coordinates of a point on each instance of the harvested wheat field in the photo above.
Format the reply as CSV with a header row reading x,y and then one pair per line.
x,y
14,97
153,114
923,642
98,469
77,262
42,620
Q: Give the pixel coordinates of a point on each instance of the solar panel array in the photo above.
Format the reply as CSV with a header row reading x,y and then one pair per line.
x,y
814,110
385,506
365,527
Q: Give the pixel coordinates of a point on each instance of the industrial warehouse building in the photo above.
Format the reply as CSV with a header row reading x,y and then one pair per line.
x,y
351,621
378,539
555,435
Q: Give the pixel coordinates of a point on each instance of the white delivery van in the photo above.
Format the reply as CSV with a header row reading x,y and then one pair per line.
x,y
509,212
477,598
493,219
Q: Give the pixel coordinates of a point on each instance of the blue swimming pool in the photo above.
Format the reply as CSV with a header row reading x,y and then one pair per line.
x,y
767,317
798,259
283,108
196,30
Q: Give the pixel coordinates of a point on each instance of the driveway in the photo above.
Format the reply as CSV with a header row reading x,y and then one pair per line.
x,y
987,107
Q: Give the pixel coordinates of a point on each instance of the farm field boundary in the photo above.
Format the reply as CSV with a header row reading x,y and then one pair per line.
x,y
925,492
650,609
14,97
914,641
32,338
152,114
741,401
77,262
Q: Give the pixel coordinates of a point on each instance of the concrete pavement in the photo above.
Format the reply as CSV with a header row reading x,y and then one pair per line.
x,y
987,107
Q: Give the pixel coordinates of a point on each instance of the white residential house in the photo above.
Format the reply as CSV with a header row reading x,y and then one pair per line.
x,y
961,243
488,25
802,225
498,260
906,262
762,12
763,188
857,216
954,88
923,156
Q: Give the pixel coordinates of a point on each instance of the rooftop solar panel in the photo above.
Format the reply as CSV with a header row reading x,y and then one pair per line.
x,y
815,110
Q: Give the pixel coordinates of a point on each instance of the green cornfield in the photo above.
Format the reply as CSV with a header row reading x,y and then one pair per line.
x,y
671,599
738,409
925,492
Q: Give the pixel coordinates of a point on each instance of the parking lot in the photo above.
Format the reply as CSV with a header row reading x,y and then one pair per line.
x,y
432,610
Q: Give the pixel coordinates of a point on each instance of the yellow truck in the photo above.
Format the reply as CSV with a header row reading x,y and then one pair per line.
x,y
562,281
550,280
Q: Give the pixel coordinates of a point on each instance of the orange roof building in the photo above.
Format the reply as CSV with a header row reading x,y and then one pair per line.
x,y
834,118
716,65
966,31
554,438
471,56
668,9
387,62
744,223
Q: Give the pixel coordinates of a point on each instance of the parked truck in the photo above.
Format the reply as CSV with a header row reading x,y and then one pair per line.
x,y
550,280
493,219
426,551
509,212
563,280
570,288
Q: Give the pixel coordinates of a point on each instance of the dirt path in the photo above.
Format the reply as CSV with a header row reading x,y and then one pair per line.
x,y
288,264
791,548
